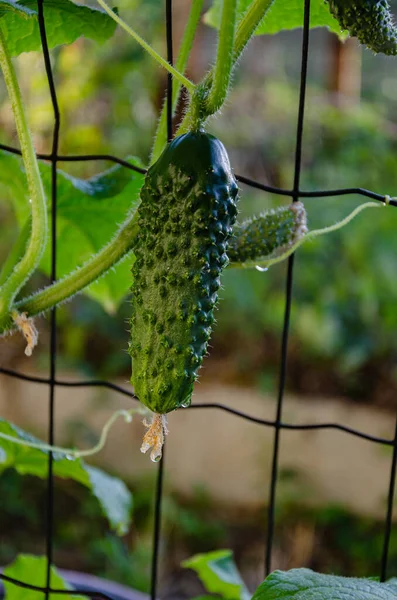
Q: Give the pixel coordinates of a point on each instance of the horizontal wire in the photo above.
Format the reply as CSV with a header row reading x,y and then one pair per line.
x,y
78,158
72,592
251,182
88,383
298,427
316,193
233,411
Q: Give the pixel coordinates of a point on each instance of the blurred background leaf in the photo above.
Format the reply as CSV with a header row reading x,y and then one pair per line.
x,y
65,23
111,493
33,569
89,214
281,16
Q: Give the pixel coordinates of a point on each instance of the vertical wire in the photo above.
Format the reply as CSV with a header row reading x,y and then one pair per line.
x,y
53,341
157,526
288,296
160,472
389,512
170,58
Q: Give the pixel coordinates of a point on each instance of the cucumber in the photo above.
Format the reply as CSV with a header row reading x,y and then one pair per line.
x,y
269,234
369,20
187,211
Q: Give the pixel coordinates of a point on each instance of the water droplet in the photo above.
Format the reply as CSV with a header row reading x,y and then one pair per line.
x,y
69,457
261,269
145,447
186,403
155,458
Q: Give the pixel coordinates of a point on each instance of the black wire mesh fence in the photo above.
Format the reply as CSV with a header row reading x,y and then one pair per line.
x,y
277,425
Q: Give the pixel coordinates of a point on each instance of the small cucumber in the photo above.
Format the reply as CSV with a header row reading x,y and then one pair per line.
x,y
269,234
188,208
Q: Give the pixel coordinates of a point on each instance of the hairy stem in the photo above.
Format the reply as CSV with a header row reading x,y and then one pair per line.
x,y
88,273
245,30
180,65
224,59
248,25
189,85
38,236
124,241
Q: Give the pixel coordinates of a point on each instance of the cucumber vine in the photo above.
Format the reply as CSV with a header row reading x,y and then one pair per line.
x,y
179,237
23,268
206,98
262,241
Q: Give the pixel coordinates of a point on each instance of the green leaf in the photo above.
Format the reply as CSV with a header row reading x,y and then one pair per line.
x,y
13,185
304,584
89,213
219,574
112,494
33,570
65,23
7,6
281,16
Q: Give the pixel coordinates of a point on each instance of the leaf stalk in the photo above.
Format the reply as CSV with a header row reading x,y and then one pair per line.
x,y
189,85
38,235
83,276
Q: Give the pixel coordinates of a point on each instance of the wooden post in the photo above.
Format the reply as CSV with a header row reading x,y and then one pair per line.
x,y
345,72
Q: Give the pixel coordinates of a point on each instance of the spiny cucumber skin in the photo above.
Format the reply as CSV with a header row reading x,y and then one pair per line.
x,y
188,208
268,234
370,21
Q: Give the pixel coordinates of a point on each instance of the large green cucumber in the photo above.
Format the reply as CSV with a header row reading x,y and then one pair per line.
x,y
187,211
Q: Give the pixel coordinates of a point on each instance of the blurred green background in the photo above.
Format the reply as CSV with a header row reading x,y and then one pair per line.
x,y
343,336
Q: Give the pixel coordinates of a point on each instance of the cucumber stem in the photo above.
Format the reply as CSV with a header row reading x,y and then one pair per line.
x,y
245,30
224,59
38,235
180,65
121,245
88,273
248,24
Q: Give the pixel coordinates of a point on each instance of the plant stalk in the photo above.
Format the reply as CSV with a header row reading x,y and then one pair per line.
x,y
180,65
245,30
224,59
121,245
248,25
76,281
189,85
38,236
